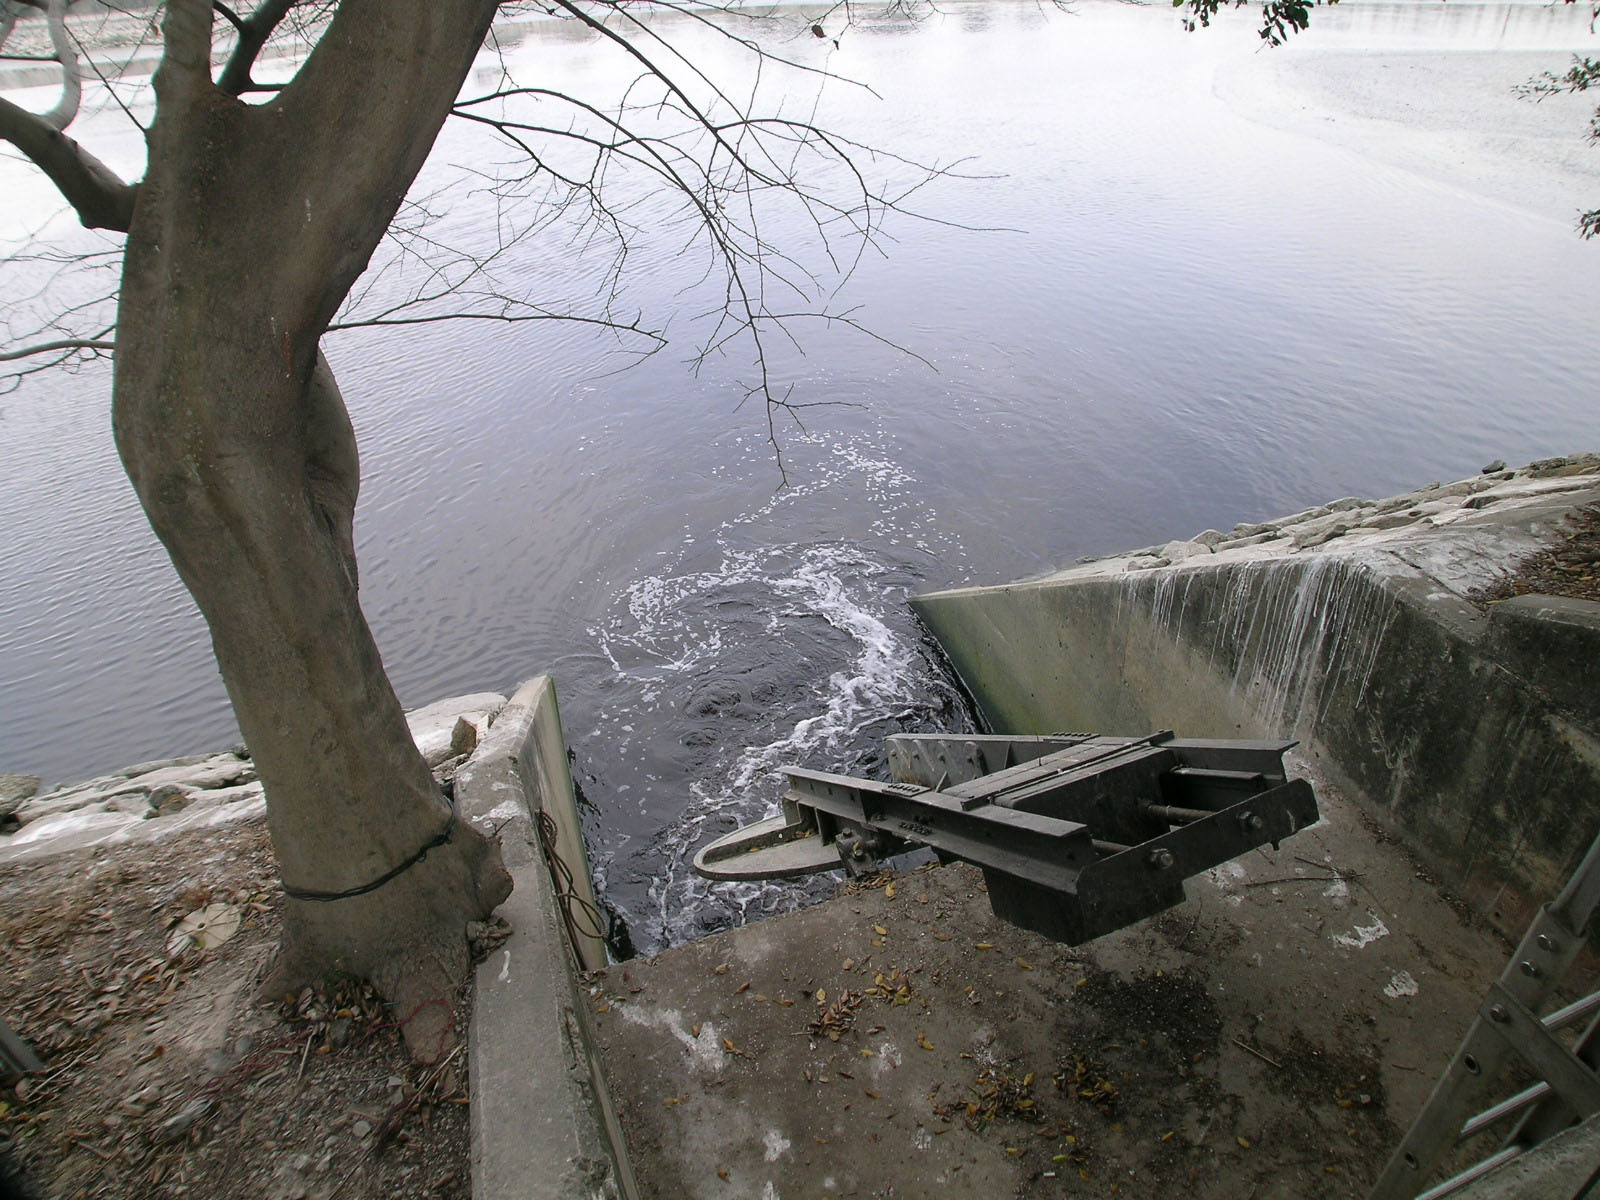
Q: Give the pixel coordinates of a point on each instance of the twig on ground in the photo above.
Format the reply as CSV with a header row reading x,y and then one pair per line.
x,y
304,1054
1246,1046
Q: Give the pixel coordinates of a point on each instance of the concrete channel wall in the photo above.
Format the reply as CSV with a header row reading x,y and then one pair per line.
x,y
1476,734
543,1124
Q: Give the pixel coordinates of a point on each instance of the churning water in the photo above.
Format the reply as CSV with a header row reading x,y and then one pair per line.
x,y
1145,311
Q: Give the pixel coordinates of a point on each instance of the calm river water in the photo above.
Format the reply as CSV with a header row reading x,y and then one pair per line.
x,y
1161,316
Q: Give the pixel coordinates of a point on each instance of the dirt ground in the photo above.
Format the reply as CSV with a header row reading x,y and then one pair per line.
x,y
165,1076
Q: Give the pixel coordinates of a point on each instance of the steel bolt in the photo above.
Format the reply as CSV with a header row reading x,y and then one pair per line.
x,y
1530,968
1160,859
1499,1014
1547,943
1249,822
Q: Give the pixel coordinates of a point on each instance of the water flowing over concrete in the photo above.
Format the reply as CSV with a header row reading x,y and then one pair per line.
x,y
1351,627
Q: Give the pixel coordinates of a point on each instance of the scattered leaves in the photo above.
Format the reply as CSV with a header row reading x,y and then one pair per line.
x,y
995,1093
1087,1080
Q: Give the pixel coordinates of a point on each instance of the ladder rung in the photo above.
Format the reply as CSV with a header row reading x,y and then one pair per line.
x,y
1560,1019
1573,1013
1473,1173
1504,1109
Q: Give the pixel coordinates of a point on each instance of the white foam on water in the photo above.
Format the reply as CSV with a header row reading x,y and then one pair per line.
x,y
822,623
880,675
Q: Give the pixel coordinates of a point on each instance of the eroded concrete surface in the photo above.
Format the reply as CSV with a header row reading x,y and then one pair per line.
x,y
1268,1038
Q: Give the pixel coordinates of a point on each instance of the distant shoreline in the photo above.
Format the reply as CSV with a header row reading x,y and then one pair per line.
x,y
1450,116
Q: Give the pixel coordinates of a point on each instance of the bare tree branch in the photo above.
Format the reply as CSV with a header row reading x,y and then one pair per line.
x,y
101,199
96,344
66,109
509,318
186,40
729,153
747,161
253,33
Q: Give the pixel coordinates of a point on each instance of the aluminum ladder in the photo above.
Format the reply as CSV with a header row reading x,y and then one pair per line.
x,y
1509,1029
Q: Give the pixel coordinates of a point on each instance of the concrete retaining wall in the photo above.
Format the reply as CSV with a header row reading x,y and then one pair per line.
x,y
1474,736
543,1124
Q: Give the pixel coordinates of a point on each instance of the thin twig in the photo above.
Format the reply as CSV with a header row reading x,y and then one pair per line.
x,y
304,1054
1301,879
1324,866
1251,1049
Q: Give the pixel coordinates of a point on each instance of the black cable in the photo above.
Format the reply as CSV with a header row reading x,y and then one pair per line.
x,y
306,894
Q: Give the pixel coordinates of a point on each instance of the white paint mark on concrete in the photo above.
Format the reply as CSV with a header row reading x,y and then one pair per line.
x,y
1338,891
1402,984
888,1058
770,1192
505,967
921,1139
1228,874
1226,879
1363,935
705,1050
777,1145
505,811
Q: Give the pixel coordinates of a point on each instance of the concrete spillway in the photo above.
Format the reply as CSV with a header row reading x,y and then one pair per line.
x,y
1470,728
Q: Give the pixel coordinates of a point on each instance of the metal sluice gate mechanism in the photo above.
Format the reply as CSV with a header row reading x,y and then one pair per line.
x,y
1077,834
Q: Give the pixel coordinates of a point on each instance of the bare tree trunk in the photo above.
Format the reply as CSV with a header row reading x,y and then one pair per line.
x,y
249,229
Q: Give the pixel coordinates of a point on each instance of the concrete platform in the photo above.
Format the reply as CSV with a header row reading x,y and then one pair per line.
x,y
1269,1038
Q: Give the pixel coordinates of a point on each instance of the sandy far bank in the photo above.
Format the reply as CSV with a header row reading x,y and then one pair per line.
x,y
1447,115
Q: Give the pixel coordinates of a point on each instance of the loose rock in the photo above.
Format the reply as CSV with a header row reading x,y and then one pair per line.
x,y
14,789
185,1119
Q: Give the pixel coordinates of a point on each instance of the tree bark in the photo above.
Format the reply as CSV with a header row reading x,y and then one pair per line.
x,y
248,230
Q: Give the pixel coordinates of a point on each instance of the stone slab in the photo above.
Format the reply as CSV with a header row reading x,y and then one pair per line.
x,y
433,725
